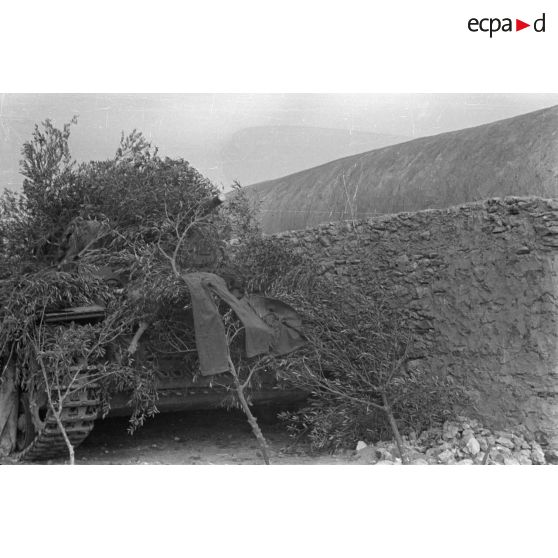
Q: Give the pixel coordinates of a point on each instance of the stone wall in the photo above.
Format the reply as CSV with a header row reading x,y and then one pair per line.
x,y
481,284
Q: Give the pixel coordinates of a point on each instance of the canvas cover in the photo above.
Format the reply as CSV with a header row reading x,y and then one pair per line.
x,y
8,409
270,326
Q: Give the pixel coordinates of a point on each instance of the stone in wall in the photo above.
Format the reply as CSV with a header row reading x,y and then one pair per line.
x,y
480,285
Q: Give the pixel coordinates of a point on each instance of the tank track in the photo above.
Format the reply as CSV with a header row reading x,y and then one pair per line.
x,y
78,418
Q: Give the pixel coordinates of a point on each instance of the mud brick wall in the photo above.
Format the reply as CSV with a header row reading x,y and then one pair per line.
x,y
480,282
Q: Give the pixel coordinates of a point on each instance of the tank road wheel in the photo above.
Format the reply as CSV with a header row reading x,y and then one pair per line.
x,y
38,435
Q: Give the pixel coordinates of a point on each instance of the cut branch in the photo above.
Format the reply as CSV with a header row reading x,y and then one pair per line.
x,y
133,347
56,412
252,421
395,430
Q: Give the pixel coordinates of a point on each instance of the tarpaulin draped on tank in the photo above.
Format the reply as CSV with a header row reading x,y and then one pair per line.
x,y
8,409
284,320
260,338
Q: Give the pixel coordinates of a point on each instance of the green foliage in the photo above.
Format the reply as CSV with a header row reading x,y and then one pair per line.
x,y
49,199
149,219
339,420
242,222
136,193
139,210
357,352
27,297
262,261
355,362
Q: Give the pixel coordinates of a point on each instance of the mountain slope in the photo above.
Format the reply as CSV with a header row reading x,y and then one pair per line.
x,y
516,156
267,152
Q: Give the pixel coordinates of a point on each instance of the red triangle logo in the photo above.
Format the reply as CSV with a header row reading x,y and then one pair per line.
x,y
519,25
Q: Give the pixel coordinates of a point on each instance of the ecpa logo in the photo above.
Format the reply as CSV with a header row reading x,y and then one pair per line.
x,y
492,25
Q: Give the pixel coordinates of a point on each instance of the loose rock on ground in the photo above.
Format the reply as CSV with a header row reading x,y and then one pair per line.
x,y
460,442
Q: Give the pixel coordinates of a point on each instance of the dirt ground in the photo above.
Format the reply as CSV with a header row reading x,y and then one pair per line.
x,y
216,437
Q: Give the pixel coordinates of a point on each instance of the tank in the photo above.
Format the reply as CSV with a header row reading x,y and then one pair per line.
x,y
29,428
30,431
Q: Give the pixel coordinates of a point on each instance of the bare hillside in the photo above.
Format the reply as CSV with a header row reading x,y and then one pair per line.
x,y
516,156
267,152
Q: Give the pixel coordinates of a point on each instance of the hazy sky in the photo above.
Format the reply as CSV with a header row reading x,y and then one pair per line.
x,y
202,127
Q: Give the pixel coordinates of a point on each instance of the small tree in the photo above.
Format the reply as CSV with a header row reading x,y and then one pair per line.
x,y
355,365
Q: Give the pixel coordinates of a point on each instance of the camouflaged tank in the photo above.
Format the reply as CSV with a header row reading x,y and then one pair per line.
x,y
29,430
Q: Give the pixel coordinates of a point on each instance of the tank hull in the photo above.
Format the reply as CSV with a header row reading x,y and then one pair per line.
x,y
185,400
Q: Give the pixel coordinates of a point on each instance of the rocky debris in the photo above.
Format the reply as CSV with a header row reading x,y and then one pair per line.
x,y
463,441
366,454
472,446
537,454
449,430
552,457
